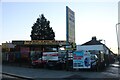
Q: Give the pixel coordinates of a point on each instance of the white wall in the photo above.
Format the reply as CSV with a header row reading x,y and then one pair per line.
x,y
90,47
93,47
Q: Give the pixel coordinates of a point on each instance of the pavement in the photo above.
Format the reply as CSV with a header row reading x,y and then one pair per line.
x,y
35,73
116,64
16,76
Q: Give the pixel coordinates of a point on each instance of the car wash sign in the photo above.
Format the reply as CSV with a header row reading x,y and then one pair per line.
x,y
81,59
70,25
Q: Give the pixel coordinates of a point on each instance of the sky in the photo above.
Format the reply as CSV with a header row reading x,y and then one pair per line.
x,y
92,18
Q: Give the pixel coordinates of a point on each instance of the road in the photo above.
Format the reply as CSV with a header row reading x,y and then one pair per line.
x,y
112,72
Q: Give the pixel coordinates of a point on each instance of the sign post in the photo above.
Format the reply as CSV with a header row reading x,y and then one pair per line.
x,y
70,30
70,25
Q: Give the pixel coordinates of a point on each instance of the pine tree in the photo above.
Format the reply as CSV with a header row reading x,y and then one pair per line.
x,y
41,30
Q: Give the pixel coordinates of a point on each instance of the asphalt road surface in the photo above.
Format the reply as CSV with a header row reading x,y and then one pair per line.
x,y
111,73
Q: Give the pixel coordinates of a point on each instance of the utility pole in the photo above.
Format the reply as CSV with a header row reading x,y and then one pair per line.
x,y
118,41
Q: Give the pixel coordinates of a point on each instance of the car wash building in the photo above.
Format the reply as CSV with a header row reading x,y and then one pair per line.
x,y
26,49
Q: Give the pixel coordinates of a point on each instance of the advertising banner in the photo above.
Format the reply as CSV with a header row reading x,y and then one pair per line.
x,y
24,52
81,59
50,56
70,25
44,42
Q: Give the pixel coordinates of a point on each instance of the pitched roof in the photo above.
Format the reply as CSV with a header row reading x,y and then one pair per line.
x,y
94,41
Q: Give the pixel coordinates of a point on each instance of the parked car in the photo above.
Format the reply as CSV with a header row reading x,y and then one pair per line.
x,y
38,63
94,61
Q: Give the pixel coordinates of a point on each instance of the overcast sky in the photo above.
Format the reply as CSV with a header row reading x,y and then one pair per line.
x,y
91,19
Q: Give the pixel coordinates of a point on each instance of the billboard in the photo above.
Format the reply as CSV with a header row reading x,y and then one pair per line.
x,y
81,59
70,25
53,56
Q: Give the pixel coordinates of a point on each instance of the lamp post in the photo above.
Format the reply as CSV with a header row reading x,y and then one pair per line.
x,y
118,41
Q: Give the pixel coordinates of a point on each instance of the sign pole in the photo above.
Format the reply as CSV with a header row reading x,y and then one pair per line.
x,y
67,37
70,32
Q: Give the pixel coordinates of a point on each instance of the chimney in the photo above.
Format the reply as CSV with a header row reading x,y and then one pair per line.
x,y
94,38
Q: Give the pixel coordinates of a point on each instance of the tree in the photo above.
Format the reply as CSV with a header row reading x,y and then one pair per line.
x,y
41,30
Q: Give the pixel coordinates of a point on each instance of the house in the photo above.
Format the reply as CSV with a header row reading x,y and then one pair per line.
x,y
95,46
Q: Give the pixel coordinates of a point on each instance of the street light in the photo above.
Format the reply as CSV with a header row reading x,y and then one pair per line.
x,y
118,40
